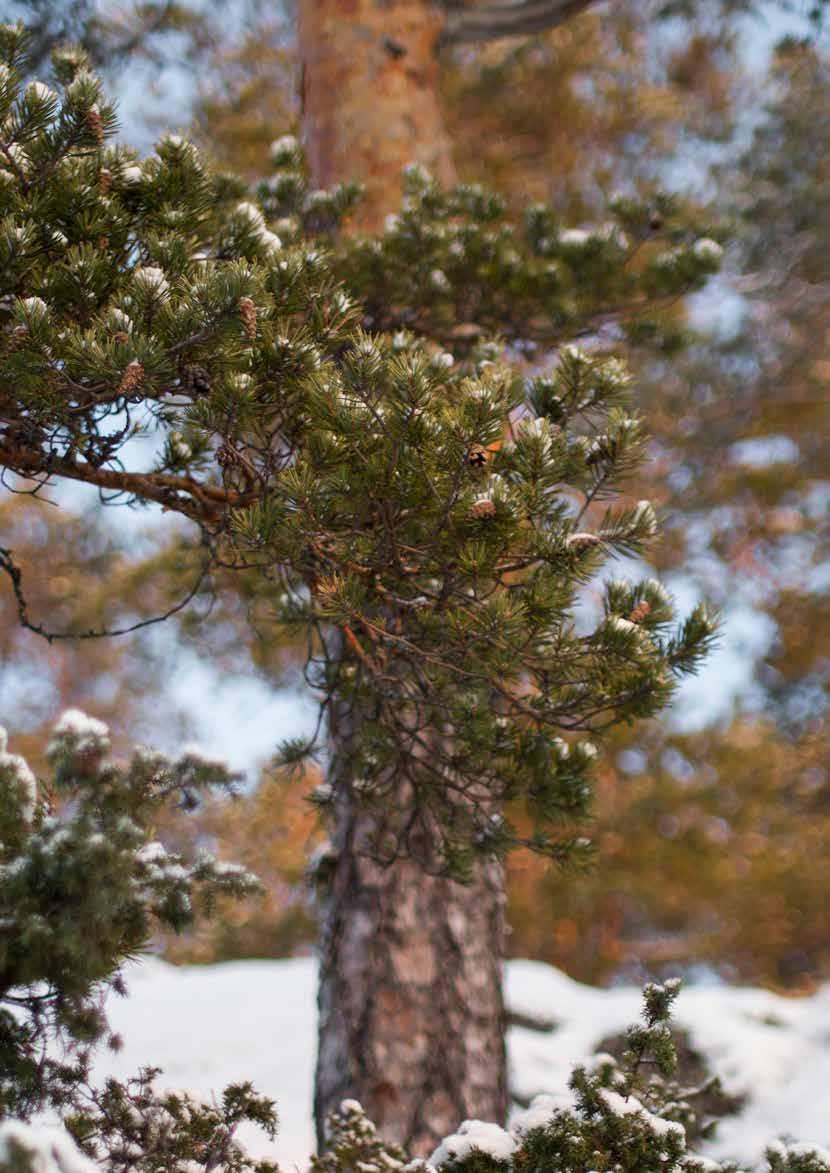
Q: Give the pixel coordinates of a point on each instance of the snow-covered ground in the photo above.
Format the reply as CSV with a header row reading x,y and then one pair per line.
x,y
212,1025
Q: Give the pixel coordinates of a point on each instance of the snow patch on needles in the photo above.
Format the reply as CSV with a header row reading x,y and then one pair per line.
x,y
475,1136
18,768
78,733
196,754
255,222
631,1106
780,1149
42,1148
153,280
75,723
708,250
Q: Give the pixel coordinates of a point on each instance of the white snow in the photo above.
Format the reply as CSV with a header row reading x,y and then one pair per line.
x,y
208,1026
86,734
79,724
708,250
18,769
50,1150
256,224
644,515
40,92
474,1135
283,148
251,213
153,279
575,237
774,1049
154,852
631,1106
196,753
34,306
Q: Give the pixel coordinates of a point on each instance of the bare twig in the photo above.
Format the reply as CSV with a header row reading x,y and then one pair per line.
x,y
10,567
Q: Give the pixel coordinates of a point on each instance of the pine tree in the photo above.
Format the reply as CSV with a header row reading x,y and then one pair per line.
x,y
352,419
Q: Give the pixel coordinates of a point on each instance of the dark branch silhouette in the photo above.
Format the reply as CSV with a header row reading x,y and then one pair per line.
x,y
10,567
465,25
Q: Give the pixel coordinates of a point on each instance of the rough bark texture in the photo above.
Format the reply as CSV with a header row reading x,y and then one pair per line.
x,y
411,1009
370,95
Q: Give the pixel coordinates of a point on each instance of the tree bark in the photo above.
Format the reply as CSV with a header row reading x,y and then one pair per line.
x,y
411,1010
370,96
412,1016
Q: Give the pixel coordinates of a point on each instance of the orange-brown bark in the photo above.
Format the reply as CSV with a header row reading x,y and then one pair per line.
x,y
181,494
411,1007
370,96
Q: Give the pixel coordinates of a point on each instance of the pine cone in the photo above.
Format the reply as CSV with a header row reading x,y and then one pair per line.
x,y
478,456
196,379
640,612
247,311
227,456
132,376
483,507
104,180
95,122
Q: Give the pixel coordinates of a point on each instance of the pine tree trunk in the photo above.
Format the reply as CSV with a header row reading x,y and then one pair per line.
x,y
370,95
411,1008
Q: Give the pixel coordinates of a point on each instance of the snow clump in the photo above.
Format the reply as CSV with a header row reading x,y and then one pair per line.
x,y
17,768
41,1148
475,1136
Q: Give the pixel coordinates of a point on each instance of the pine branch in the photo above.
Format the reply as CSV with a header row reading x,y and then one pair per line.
x,y
199,502
508,20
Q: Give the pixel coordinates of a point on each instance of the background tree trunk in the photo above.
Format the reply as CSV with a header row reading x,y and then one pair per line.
x,y
370,95
411,1008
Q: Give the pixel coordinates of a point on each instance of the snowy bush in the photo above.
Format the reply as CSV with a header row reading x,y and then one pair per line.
x,y
631,1117
82,886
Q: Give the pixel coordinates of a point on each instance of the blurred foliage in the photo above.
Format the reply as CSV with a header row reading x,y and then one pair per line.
x,y
272,830
711,849
69,564
713,852
742,427
598,104
249,94
745,530
115,34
